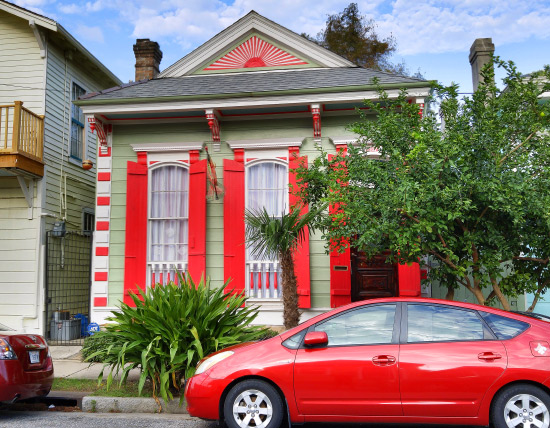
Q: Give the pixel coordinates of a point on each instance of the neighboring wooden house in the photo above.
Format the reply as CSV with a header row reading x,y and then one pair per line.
x,y
256,95
43,141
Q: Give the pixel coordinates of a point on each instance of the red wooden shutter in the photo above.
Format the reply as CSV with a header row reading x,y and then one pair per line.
x,y
301,254
340,271
233,226
409,280
197,220
135,251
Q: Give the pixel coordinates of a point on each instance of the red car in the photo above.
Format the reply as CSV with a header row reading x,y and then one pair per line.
x,y
26,368
392,360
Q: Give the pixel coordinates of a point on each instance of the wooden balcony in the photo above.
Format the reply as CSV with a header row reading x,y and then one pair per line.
x,y
21,140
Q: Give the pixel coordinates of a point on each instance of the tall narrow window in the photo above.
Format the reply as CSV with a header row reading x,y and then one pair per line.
x,y
267,187
77,124
168,223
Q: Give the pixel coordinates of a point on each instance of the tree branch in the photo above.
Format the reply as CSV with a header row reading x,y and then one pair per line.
x,y
517,148
532,259
480,217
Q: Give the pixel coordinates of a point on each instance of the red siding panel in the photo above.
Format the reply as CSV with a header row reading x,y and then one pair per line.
x,y
102,225
100,276
301,254
197,219
103,176
233,225
409,280
340,271
135,251
103,200
100,301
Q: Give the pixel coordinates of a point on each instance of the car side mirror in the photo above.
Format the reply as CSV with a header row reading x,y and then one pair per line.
x,y
316,338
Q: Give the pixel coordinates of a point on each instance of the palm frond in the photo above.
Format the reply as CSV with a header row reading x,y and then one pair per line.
x,y
268,236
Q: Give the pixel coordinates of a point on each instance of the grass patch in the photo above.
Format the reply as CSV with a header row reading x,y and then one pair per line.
x,y
130,389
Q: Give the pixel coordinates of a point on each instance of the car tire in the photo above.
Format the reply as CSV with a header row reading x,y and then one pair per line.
x,y
253,403
521,405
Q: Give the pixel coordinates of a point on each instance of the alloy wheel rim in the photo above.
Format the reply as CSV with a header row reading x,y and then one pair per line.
x,y
252,408
526,411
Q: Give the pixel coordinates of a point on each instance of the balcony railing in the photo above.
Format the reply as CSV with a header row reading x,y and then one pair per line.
x,y
21,138
164,272
263,280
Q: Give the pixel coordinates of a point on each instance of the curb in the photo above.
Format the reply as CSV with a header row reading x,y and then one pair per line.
x,y
100,404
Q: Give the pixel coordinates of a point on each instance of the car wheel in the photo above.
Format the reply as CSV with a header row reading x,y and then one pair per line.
x,y
253,403
525,406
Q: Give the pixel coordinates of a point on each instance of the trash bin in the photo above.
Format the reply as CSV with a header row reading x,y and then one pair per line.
x,y
65,329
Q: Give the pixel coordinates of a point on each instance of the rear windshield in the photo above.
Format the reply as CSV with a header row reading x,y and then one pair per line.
x,y
503,327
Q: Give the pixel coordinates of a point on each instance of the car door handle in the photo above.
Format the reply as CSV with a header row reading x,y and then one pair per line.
x,y
489,356
383,360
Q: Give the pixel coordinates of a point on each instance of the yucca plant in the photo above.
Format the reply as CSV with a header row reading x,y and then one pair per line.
x,y
170,330
271,237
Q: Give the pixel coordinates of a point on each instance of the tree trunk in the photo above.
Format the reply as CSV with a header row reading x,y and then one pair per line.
x,y
450,293
291,315
501,297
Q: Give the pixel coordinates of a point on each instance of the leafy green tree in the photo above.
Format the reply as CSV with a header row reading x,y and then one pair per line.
x,y
351,35
273,237
468,187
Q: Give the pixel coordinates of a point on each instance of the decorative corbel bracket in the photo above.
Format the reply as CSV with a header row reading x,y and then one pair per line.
x,y
104,132
316,112
214,125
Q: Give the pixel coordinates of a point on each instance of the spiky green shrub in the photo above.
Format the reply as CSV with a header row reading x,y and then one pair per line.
x,y
170,330
95,343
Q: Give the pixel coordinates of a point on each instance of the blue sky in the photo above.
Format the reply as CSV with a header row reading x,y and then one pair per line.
x,y
432,36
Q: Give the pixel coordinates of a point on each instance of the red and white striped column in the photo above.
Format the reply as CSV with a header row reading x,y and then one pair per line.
x,y
100,264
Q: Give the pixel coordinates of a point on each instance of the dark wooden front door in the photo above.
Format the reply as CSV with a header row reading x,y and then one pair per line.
x,y
371,278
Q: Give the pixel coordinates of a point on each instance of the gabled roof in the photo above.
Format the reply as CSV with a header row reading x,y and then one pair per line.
x,y
53,26
240,32
254,84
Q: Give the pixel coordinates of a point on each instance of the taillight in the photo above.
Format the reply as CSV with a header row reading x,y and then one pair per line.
x,y
6,353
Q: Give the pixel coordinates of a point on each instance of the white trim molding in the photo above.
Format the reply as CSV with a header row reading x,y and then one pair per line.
x,y
167,147
265,143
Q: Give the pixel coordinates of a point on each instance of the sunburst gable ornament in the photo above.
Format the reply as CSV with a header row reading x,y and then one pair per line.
x,y
255,52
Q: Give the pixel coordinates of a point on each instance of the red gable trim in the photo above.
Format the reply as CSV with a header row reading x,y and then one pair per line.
x,y
255,52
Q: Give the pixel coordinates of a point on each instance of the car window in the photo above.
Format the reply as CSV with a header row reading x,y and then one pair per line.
x,y
294,341
504,328
364,326
434,323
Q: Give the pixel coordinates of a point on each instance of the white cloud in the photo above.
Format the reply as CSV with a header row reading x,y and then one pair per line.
x,y
91,34
70,9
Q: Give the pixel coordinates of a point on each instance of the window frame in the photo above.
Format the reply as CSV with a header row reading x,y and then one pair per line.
x,y
78,123
88,212
150,169
488,334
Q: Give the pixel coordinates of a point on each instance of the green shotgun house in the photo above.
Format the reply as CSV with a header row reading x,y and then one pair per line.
x,y
259,98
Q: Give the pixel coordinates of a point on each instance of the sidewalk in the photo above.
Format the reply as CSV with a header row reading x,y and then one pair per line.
x,y
67,363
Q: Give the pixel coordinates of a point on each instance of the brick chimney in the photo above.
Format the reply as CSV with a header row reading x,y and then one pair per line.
x,y
148,57
480,54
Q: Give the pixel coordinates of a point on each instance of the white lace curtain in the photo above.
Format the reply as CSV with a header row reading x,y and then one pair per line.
x,y
267,186
168,214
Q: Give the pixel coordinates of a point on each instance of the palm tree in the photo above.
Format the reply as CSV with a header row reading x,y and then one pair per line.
x,y
273,237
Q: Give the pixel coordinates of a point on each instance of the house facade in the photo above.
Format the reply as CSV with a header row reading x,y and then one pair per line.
x,y
43,142
259,99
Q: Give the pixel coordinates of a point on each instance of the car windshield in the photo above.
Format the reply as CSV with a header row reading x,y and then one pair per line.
x,y
5,328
